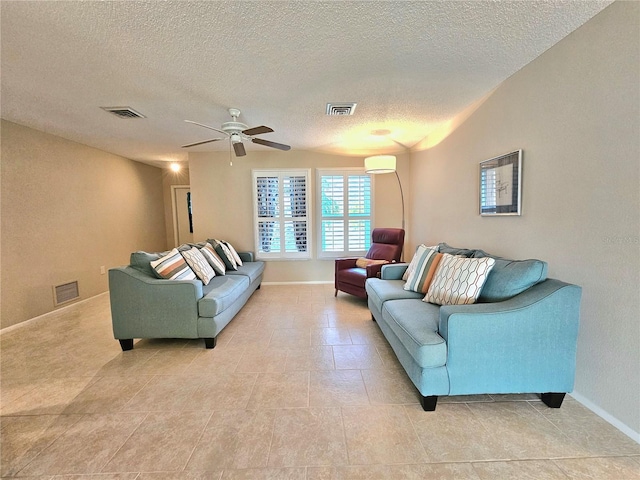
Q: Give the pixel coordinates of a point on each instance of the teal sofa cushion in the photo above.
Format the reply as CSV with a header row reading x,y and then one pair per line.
x,y
464,252
415,323
249,269
221,293
379,291
508,278
141,261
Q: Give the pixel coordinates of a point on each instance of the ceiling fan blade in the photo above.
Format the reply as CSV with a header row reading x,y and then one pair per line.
x,y
200,143
267,143
206,126
239,149
257,130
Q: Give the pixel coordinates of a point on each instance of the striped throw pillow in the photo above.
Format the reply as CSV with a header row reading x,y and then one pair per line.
x,y
426,263
214,259
173,267
458,280
199,265
234,254
412,264
225,254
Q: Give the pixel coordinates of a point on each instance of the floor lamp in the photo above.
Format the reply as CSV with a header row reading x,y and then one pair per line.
x,y
384,164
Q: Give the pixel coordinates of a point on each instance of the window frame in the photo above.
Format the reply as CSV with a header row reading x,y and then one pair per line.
x,y
345,172
281,173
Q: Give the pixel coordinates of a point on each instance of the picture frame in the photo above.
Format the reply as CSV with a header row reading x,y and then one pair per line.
x,y
501,185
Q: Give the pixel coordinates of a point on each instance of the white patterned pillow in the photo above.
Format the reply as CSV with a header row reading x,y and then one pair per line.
x,y
225,254
214,259
234,254
412,264
424,265
199,265
173,267
458,280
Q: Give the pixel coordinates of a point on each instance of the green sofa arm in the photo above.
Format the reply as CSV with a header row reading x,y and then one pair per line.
x,y
529,339
393,271
146,307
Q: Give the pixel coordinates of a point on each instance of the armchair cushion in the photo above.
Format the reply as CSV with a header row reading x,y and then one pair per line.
x,y
365,262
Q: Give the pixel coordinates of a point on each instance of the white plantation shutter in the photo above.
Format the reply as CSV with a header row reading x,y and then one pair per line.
x,y
345,214
281,214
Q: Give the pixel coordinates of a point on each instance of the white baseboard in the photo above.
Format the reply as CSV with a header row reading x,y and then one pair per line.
x,y
628,431
328,282
45,315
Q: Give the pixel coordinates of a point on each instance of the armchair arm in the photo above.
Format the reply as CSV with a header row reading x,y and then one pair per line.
x,y
344,263
393,271
373,271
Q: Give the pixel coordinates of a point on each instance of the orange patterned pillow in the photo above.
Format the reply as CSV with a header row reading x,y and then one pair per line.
x,y
363,262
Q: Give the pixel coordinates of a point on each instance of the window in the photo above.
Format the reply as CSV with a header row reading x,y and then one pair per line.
x,y
281,221
344,212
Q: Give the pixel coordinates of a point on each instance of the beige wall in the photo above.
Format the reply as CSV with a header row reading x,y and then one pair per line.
x,y
575,113
222,202
67,210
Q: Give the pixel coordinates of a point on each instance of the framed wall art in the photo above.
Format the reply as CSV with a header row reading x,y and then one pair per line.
x,y
501,185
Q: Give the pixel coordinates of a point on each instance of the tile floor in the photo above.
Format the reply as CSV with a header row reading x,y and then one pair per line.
x,y
301,385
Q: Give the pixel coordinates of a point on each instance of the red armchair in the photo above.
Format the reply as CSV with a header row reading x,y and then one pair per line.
x,y
386,244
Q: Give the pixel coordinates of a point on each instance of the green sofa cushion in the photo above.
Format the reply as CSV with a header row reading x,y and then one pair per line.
x,y
508,278
221,293
141,261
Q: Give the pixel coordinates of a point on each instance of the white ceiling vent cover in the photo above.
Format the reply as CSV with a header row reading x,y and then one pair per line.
x,y
339,109
67,292
123,112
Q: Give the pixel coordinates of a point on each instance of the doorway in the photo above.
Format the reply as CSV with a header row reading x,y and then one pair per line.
x,y
182,214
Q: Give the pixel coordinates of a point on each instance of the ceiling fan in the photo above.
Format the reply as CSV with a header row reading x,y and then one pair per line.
x,y
237,132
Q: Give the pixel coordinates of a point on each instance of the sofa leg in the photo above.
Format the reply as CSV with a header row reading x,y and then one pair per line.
x,y
373,318
552,400
428,403
259,287
336,293
210,342
126,344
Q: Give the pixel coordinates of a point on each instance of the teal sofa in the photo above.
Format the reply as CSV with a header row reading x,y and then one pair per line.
x,y
520,337
145,306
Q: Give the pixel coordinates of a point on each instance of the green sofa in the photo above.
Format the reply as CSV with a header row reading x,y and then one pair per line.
x,y
520,337
145,306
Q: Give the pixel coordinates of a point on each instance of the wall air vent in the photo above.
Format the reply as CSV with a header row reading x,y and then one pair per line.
x,y
337,109
123,112
66,292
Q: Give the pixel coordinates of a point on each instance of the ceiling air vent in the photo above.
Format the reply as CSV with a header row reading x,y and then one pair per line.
x,y
341,108
123,112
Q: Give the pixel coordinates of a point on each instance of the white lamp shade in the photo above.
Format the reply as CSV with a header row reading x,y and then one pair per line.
x,y
380,164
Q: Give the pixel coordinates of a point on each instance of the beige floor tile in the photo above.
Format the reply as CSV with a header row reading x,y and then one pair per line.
x,y
234,439
179,475
443,471
590,433
107,394
330,336
350,357
86,446
526,433
308,436
165,393
366,333
51,397
290,337
465,398
14,388
310,358
390,387
163,442
221,390
520,470
281,390
99,476
255,338
453,434
396,439
169,361
24,437
126,363
219,358
262,360
336,388
604,468
265,474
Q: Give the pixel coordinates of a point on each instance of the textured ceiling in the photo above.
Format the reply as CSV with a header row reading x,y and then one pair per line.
x,y
410,66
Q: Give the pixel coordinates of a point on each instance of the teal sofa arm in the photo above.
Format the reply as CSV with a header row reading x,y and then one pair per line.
x,y
524,344
393,271
147,307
